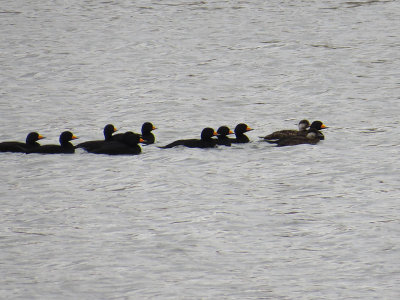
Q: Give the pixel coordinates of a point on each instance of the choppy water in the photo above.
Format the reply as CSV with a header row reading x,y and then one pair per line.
x,y
247,222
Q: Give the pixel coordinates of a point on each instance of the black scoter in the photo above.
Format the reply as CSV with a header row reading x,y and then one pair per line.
x,y
222,137
311,138
241,138
64,147
128,145
147,134
317,125
31,142
108,131
206,140
303,125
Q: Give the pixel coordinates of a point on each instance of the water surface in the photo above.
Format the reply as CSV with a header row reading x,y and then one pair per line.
x,y
247,222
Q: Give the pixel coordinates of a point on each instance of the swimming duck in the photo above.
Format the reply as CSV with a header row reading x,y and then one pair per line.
x,y
206,140
312,138
222,138
108,131
303,125
128,145
147,134
31,142
317,125
240,129
64,147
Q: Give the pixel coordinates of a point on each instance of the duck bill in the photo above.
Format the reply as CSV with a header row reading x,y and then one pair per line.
x,y
41,137
249,129
215,134
74,137
230,132
323,126
154,128
141,140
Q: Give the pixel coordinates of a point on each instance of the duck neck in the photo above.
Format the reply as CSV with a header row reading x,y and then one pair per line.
x,y
66,144
107,136
242,137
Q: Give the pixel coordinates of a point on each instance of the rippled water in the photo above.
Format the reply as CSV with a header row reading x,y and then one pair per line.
x,y
247,222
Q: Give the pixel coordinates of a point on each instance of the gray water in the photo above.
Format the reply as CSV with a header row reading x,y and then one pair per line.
x,y
247,222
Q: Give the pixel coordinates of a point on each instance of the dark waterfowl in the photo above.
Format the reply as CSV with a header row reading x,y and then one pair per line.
x,y
147,134
31,142
108,131
128,145
303,125
148,137
311,138
317,125
222,138
206,140
64,147
240,129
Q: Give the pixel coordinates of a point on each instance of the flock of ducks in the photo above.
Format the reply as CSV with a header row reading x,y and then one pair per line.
x,y
128,143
